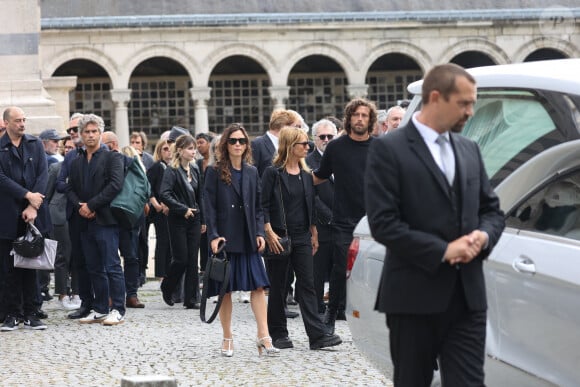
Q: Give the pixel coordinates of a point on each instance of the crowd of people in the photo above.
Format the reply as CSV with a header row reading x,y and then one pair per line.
x,y
205,190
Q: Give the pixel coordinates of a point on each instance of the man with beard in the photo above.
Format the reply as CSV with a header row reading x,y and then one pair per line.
x,y
344,160
429,201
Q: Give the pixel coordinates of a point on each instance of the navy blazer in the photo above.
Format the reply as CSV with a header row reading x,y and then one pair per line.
x,y
220,202
412,212
271,197
262,152
32,171
106,181
179,195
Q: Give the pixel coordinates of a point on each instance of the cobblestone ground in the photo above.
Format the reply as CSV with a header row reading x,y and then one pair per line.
x,y
166,340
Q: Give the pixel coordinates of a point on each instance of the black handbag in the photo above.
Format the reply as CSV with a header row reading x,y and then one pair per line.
x,y
285,241
218,270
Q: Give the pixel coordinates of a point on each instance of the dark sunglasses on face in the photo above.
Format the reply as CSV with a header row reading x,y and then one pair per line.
x,y
326,136
72,129
304,143
242,141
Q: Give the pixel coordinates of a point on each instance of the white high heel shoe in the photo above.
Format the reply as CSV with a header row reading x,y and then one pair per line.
x,y
265,344
229,351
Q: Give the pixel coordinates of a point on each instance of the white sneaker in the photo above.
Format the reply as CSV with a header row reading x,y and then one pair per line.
x,y
93,317
76,301
114,318
67,304
245,297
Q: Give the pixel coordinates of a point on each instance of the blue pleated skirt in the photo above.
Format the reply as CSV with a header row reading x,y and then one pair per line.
x,y
247,272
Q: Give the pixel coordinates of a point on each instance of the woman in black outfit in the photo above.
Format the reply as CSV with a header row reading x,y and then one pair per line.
x,y
288,203
162,157
234,215
181,192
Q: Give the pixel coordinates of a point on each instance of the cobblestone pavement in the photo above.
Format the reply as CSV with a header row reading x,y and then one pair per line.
x,y
166,340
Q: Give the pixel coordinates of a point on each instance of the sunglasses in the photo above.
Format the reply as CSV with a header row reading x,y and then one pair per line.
x,y
304,143
165,148
72,129
242,141
326,136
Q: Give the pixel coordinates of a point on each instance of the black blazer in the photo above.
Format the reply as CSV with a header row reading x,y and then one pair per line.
x,y
411,211
262,152
107,177
220,200
155,176
179,194
271,197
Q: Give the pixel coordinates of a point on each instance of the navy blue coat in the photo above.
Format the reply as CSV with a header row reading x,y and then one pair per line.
x,y
220,201
32,171
262,152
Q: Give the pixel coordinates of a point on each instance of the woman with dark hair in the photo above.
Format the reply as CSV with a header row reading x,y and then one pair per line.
x,y
288,203
162,157
234,215
181,192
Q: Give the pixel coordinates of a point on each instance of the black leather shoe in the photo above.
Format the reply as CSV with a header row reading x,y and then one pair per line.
x,y
328,340
41,314
282,343
193,305
341,315
290,300
290,314
166,296
81,312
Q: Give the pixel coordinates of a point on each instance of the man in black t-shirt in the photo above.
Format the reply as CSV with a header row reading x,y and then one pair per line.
x,y
345,161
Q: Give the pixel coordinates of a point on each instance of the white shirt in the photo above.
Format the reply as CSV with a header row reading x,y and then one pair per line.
x,y
274,139
429,137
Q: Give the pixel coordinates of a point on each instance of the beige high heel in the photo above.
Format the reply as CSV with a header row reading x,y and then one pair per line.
x,y
265,344
229,352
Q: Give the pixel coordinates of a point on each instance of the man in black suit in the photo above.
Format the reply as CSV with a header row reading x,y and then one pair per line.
x,y
429,201
323,132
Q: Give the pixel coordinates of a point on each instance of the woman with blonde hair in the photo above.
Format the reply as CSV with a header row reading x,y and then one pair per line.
x,y
181,192
234,215
288,203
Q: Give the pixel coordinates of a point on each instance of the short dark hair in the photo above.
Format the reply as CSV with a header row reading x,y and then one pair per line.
x,y
351,108
442,79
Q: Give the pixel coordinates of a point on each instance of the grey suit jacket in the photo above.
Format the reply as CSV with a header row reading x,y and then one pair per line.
x,y
411,211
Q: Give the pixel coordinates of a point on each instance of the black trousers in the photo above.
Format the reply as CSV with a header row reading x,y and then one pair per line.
x,y
79,272
184,235
162,245
322,266
301,260
456,337
62,261
337,297
20,285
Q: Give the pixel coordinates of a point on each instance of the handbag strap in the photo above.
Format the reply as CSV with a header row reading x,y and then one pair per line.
x,y
282,202
205,289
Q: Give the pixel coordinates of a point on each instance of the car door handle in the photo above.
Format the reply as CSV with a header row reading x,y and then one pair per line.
x,y
524,264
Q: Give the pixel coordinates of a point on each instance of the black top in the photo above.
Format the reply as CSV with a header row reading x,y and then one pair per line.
x,y
295,205
346,159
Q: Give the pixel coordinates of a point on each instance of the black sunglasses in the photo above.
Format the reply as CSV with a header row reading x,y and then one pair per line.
x,y
326,136
72,129
242,141
304,143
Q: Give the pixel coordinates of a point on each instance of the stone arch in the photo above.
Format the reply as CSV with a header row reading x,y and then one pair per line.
x,y
563,46
165,51
88,53
496,53
414,52
262,57
337,54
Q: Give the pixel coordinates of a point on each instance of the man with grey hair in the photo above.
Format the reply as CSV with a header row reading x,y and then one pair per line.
x,y
96,177
394,117
323,132
381,127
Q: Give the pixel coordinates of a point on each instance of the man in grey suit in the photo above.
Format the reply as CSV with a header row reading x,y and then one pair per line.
x,y
429,201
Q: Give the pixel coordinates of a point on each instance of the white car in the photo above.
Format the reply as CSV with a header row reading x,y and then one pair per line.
x,y
527,124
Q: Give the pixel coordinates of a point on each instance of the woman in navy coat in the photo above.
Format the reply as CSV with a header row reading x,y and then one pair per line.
x,y
234,215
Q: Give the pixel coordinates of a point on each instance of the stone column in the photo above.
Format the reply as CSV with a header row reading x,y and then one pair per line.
x,y
59,89
200,97
279,95
121,98
357,91
20,81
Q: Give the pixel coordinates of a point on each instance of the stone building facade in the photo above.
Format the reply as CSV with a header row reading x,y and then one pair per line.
x,y
148,73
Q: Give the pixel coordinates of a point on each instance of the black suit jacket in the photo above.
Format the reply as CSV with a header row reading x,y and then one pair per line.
x,y
106,181
220,201
179,195
262,152
411,211
323,200
271,197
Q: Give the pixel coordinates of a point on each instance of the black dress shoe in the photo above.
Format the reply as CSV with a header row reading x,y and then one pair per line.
x,y
291,314
327,340
166,296
192,305
81,312
39,313
282,343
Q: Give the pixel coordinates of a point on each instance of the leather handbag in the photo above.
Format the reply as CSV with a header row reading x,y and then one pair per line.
x,y
217,269
33,251
285,241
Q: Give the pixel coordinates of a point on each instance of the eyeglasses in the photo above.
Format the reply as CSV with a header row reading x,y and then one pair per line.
x,y
326,136
241,140
304,143
165,148
72,129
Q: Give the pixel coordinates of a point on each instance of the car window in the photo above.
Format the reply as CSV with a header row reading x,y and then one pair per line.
x,y
507,123
554,209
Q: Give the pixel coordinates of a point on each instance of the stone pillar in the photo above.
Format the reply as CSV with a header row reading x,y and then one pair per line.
x,y
121,98
279,95
59,89
357,91
200,97
20,81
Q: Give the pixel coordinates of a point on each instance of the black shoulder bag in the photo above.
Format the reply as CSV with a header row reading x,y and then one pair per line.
x,y
285,241
217,269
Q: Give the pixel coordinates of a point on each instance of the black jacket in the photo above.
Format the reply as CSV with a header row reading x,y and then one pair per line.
x,y
179,195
